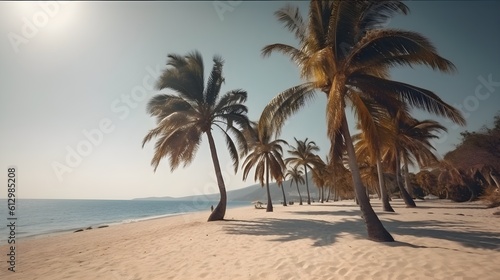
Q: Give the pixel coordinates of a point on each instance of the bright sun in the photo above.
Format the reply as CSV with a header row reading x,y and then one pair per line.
x,y
50,16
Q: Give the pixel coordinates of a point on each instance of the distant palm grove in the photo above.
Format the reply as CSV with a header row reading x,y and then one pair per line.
x,y
342,50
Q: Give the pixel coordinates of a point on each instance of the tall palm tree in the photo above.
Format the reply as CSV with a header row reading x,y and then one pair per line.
x,y
344,53
303,155
295,175
266,155
193,110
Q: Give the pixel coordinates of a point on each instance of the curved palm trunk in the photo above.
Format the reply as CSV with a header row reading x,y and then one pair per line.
x,y
386,206
269,201
300,196
408,185
406,197
220,210
375,228
307,186
284,197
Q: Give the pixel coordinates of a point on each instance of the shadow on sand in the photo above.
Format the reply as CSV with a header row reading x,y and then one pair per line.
x,y
325,233
321,232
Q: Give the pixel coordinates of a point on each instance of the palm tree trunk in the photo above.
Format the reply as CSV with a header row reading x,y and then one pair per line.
x,y
375,228
219,211
328,196
307,186
408,185
284,197
377,191
269,201
386,206
323,194
406,197
300,196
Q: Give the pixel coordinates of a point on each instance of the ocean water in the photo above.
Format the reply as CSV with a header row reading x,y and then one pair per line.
x,y
45,216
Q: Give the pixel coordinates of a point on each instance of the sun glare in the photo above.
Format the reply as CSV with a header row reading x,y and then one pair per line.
x,y
51,17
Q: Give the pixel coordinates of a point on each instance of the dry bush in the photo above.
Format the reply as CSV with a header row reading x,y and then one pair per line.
x,y
459,193
491,197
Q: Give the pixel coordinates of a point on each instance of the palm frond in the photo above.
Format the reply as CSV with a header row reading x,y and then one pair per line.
x,y
281,107
342,22
214,82
335,112
184,77
376,13
390,47
233,152
296,56
162,105
414,96
319,18
291,17
237,96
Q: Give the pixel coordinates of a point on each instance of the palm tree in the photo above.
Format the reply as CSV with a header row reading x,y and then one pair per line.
x,y
412,141
369,151
266,155
280,185
344,53
193,110
321,175
303,155
295,175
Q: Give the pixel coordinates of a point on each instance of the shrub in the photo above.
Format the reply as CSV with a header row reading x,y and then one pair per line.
x,y
491,197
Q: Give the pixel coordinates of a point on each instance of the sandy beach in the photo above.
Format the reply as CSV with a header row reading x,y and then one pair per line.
x,y
437,240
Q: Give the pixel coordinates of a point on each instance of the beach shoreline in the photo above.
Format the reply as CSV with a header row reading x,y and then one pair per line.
x,y
437,240
51,228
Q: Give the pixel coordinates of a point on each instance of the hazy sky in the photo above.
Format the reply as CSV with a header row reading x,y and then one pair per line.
x,y
75,79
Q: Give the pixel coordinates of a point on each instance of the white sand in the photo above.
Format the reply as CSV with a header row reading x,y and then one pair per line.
x,y
438,240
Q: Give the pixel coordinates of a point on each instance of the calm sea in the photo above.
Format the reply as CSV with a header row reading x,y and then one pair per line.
x,y
45,216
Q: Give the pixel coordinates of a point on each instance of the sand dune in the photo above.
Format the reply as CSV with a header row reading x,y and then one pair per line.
x,y
437,240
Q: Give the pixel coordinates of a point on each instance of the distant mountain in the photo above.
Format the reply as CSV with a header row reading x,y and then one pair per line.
x,y
255,192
